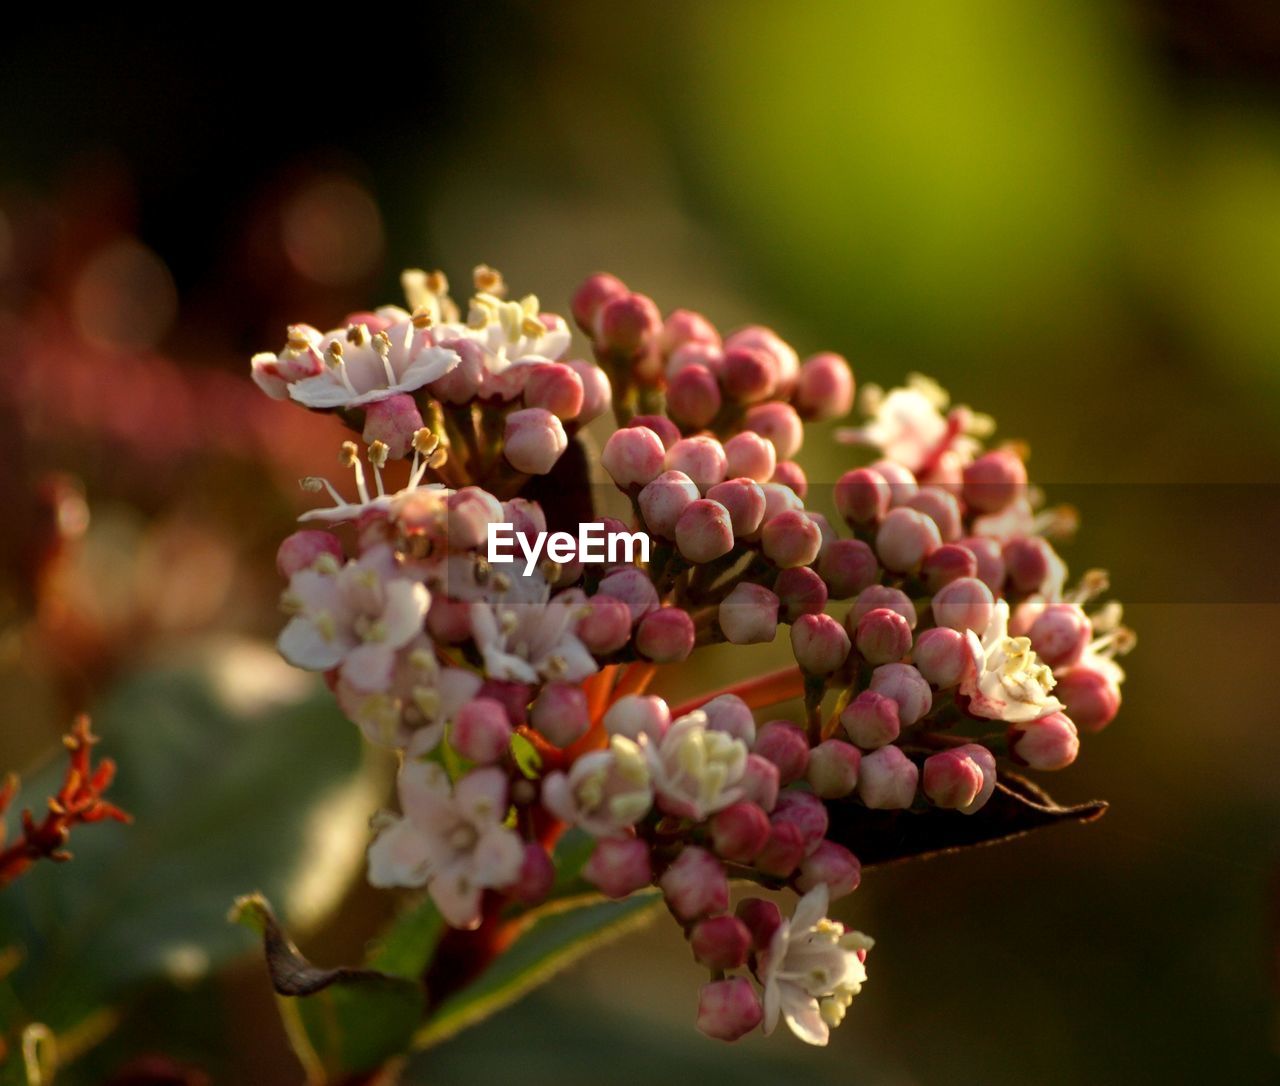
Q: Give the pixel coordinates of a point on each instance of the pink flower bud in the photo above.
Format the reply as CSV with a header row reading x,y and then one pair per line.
x,y
618,866
748,615
1060,634
1028,561
554,387
534,440
591,296
832,864
871,720
990,560
783,852
720,942
762,919
728,713
906,538
700,458
848,566
941,655
779,424
667,431
801,592
470,512
791,474
805,811
948,563
687,326
878,595
819,643
780,499
994,481
707,355
633,456
449,620
664,499
1091,697
791,539
728,1009
301,549
749,455
739,832
481,731
693,396
744,499
748,375
757,337
902,481
964,604
638,714
695,885
760,781
626,325
882,636
512,696
952,779
392,421
561,714
862,496
940,507
1051,742
786,746
665,636
824,389
537,875
907,687
833,768
633,587
597,394
887,779
704,531
605,626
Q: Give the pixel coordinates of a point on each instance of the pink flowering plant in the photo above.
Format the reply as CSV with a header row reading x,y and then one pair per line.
x,y
545,798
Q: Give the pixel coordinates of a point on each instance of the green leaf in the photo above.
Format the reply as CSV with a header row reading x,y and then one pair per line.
x,y
407,945
526,756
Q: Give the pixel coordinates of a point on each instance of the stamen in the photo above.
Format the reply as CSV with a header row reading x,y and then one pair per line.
x,y
296,338
378,453
358,335
438,283
489,280
350,458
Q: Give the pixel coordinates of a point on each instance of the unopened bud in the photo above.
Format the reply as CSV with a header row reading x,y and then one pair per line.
x,y
848,566
666,635
605,626
720,942
554,387
739,832
964,604
862,496
824,389
728,1009
301,550
744,499
1091,697
887,779
695,885
832,864
819,643
534,440
994,481
882,636
704,531
907,687
638,714
619,866
785,746
905,539
482,731
693,396
561,713
791,539
663,500
748,615
941,655
750,456
779,424
832,772
801,592
871,720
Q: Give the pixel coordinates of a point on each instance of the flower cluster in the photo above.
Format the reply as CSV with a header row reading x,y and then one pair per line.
x,y
937,644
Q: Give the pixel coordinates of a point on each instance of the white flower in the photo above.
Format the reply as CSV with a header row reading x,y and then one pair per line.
x,y
811,970
1005,679
528,637
423,503
696,771
908,425
604,791
454,840
509,333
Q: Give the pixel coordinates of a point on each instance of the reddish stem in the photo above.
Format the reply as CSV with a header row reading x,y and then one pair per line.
x,y
759,692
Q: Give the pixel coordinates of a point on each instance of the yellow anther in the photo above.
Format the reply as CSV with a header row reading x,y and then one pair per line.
x,y
489,280
422,318
349,454
358,335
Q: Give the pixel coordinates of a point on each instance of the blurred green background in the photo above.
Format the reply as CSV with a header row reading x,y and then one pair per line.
x,y
1068,212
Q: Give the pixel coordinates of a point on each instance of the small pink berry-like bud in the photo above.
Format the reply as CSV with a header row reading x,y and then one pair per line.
x,y
687,326
301,549
664,499
994,481
785,745
512,696
728,713
906,538
537,875
902,481
554,387
824,389
534,440
728,1009
591,295
481,731
952,779
695,885
461,384
801,592
749,455
693,396
597,393
748,615
633,587
665,636
700,458
819,643
887,779
871,720
1028,561
668,432
561,713
964,604
759,782
941,655
1091,697
618,866
780,499
638,714
626,325
882,636
832,864
848,566
907,687
470,512
1051,742
807,812
744,499
720,942
739,832
704,531
940,507
707,355
784,850
392,421
748,375
449,620
791,474
779,424
633,456
948,563
833,769
862,496
1060,634
791,539
762,919
990,560
877,595
605,626
759,338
